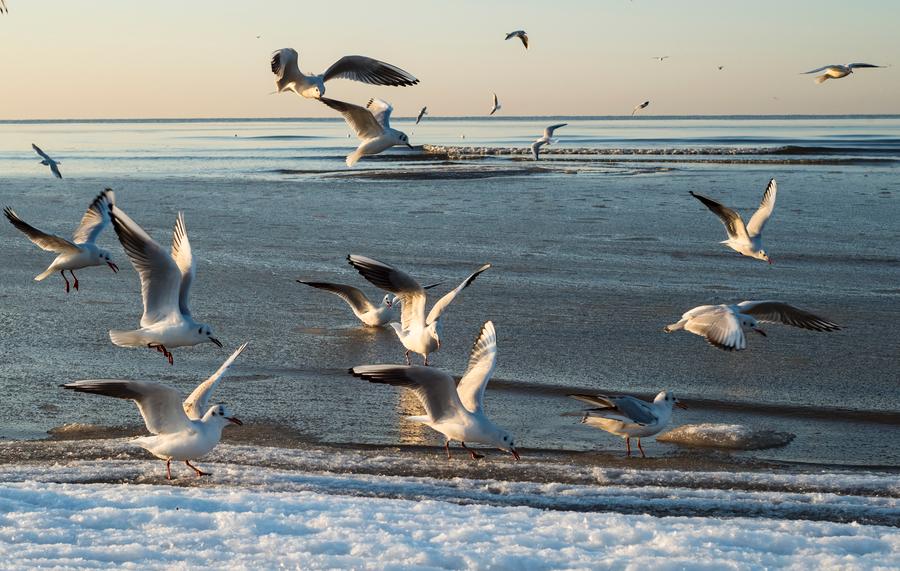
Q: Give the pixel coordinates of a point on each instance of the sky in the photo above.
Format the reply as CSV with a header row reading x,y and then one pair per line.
x,y
202,58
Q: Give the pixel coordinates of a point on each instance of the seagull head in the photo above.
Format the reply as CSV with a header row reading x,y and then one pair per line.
x,y
204,332
506,444
669,399
106,258
222,414
388,300
404,140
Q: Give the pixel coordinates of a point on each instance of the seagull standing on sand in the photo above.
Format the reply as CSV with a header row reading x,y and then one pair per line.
x,y
47,161
372,126
81,251
496,106
746,240
358,68
639,107
422,113
519,34
837,71
457,412
629,417
181,431
418,333
545,140
165,287
723,325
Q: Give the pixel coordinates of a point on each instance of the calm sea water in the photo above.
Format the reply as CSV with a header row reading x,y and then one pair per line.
x,y
594,249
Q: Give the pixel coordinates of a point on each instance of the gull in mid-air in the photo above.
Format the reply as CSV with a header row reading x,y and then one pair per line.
x,y
358,68
422,113
837,71
165,287
639,107
362,307
545,140
660,58
723,325
418,333
496,106
720,68
457,412
181,431
629,417
372,125
3,8
519,34
47,161
79,252
746,240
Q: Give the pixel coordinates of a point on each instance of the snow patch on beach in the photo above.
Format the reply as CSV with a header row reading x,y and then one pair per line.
x,y
727,436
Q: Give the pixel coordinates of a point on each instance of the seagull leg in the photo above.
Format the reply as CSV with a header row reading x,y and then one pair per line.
x,y
426,359
169,356
195,469
475,455
63,274
628,446
447,448
169,469
407,355
641,449
75,278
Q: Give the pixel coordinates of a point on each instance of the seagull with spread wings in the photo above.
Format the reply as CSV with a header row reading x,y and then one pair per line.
x,y
545,140
46,160
519,34
372,125
837,71
745,239
639,107
363,308
495,106
422,113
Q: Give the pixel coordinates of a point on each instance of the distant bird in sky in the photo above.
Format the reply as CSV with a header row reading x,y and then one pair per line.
x,y
181,430
81,251
837,71
47,161
545,140
258,37
3,8
746,240
723,325
639,107
358,68
422,113
521,35
721,67
372,126
496,106
660,58
629,417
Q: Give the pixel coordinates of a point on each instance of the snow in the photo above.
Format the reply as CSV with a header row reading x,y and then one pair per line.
x,y
727,436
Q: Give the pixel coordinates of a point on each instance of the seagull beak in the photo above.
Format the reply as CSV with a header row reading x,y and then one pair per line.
x,y
514,454
234,420
215,341
410,146
114,267
761,332
681,405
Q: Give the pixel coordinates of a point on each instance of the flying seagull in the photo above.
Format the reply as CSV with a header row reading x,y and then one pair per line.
x,y
165,287
660,58
519,34
457,412
53,164
837,71
79,252
358,68
496,106
363,308
723,325
746,240
422,113
418,333
3,8
181,430
629,417
372,126
639,107
545,140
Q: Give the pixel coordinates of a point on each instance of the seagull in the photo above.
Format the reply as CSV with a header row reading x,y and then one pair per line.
x,y
372,126
363,308
165,287
181,430
630,417
639,107
422,113
457,412
660,58
519,34
545,140
53,164
3,8
746,240
81,251
721,67
837,71
496,107
358,68
418,333
723,325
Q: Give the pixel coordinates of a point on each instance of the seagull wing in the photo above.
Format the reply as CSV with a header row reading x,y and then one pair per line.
x,y
285,67
817,70
401,284
548,132
353,296
160,275
762,214
624,408
435,389
95,219
861,65
359,118
184,259
734,226
524,37
381,110
44,241
442,303
38,150
159,405
780,312
482,360
368,70
54,168
536,148
421,114
196,405
720,328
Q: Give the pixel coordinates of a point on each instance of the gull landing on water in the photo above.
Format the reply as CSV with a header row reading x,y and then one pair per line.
x,y
288,76
519,34
837,71
723,325
457,412
496,105
418,333
165,288
545,140
371,125
47,161
629,417
81,251
746,240
181,431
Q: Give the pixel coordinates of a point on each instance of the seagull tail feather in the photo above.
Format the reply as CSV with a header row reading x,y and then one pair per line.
x,y
124,338
822,78
353,158
42,276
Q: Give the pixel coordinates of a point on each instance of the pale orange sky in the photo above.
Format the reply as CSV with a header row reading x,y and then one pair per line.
x,y
111,59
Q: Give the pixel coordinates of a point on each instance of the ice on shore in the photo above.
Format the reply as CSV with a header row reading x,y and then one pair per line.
x,y
728,436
